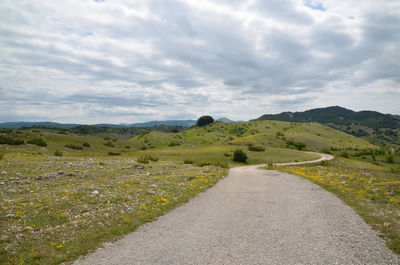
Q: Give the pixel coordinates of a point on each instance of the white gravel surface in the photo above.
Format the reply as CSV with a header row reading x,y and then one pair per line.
x,y
253,217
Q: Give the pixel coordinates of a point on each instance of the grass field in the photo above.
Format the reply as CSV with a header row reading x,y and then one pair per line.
x,y
316,137
371,189
222,154
54,209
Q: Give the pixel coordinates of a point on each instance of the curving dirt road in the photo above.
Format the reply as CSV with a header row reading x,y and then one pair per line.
x,y
253,217
323,157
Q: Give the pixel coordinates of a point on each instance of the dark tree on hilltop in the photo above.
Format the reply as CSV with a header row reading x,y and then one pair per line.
x,y
204,120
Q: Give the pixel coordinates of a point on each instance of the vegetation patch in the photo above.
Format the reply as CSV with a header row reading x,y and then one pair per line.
x,y
256,148
114,153
240,156
145,159
37,141
74,146
6,139
54,209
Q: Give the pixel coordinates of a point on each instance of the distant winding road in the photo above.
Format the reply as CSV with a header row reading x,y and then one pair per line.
x,y
253,217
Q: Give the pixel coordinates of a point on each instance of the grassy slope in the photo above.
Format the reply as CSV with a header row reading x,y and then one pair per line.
x,y
371,188
54,209
315,136
216,142
49,211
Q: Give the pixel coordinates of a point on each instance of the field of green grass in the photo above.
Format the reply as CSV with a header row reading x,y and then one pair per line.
x,y
371,188
316,137
222,155
54,209
62,194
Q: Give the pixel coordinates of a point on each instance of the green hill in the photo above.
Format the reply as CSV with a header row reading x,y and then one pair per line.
x,y
376,127
266,133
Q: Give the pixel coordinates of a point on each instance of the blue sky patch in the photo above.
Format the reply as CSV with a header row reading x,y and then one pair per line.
x,y
315,5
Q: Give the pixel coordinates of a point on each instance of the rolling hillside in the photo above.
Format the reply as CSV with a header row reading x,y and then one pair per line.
x,y
266,133
378,128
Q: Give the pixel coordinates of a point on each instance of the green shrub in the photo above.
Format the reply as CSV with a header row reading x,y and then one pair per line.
x,y
143,159
344,154
174,143
152,158
86,144
240,156
390,159
127,146
221,164
4,139
296,145
256,148
114,153
58,153
2,156
188,161
227,154
109,144
204,120
270,165
74,146
146,159
37,141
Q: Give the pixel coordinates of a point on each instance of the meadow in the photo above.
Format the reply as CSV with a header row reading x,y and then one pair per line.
x,y
54,209
63,194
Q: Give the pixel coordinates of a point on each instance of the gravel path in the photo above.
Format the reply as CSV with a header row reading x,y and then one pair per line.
x,y
323,157
253,217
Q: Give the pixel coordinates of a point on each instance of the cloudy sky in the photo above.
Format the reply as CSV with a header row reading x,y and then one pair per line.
x,y
125,61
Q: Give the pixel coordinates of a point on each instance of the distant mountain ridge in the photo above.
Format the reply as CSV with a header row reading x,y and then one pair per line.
x,y
181,123
17,125
338,116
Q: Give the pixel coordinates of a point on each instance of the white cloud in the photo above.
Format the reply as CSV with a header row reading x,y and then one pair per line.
x,y
129,61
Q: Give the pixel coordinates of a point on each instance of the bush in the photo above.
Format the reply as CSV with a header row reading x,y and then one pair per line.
x,y
345,154
221,164
127,146
256,148
37,141
174,143
4,139
114,153
86,144
74,146
188,161
297,145
58,153
390,159
109,144
2,156
227,154
146,159
152,158
239,156
144,147
204,120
